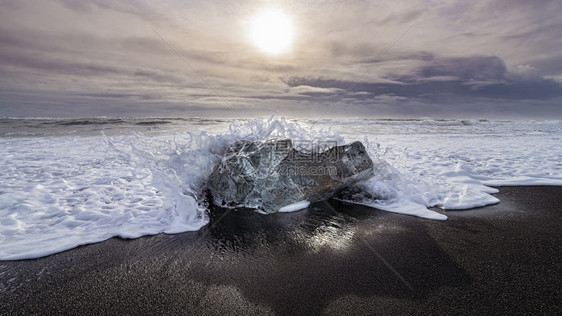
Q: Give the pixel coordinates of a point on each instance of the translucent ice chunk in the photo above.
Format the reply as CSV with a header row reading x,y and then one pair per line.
x,y
270,175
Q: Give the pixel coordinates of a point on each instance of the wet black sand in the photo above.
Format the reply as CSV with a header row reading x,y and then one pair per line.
x,y
330,259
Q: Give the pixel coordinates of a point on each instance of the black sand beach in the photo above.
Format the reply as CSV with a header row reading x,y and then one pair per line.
x,y
333,258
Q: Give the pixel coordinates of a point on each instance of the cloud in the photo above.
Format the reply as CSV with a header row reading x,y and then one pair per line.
x,y
55,66
312,91
465,68
461,58
477,77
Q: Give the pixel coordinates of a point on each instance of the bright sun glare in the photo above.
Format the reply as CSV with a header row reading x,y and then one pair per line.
x,y
272,31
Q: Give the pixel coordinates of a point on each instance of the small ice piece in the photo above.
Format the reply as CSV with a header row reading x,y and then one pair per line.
x,y
294,207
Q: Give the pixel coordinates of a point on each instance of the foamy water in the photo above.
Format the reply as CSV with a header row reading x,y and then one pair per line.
x,y
70,182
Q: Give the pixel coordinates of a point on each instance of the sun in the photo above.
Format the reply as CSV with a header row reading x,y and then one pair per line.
x,y
272,31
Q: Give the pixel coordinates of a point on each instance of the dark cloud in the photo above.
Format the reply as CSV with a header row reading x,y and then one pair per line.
x,y
159,76
551,65
76,5
477,77
409,16
57,66
478,68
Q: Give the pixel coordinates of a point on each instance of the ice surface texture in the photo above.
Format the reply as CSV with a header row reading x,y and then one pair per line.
x,y
269,175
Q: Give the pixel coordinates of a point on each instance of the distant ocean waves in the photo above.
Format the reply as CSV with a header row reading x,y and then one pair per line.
x,y
22,127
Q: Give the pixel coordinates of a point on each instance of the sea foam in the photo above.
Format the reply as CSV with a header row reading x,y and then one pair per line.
x,y
59,192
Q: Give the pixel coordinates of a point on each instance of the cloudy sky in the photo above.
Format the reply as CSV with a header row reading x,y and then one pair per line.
x,y
397,58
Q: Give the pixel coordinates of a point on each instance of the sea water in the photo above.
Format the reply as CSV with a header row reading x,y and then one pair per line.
x,y
68,182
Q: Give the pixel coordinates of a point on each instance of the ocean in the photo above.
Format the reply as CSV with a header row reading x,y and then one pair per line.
x,y
69,182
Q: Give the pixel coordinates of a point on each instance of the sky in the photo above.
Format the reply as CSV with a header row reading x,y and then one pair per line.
x,y
499,59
